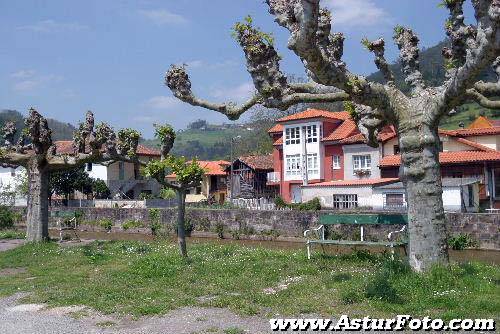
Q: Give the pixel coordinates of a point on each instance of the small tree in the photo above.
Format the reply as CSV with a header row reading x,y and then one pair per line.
x,y
65,183
100,189
188,174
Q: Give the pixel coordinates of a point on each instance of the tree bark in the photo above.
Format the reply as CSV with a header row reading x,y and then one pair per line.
x,y
181,232
421,173
38,209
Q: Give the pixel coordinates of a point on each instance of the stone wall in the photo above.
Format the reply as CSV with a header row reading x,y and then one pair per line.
x,y
485,228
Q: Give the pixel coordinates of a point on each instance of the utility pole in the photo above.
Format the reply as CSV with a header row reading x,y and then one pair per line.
x,y
303,135
232,168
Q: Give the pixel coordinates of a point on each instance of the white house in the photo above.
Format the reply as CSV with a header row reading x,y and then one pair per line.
x,y
8,183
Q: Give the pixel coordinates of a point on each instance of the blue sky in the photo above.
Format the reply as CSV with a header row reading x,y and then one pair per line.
x,y
65,57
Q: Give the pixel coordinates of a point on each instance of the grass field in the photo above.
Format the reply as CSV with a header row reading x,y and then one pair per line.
x,y
151,278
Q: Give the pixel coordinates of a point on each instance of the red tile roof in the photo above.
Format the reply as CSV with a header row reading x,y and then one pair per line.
x,y
278,141
275,129
66,147
448,158
258,162
354,139
214,167
316,113
494,130
483,122
360,182
474,144
347,128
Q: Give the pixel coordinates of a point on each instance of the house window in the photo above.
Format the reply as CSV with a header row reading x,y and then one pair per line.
x,y
336,162
361,162
345,201
496,183
89,167
396,149
312,133
394,201
292,136
312,164
293,164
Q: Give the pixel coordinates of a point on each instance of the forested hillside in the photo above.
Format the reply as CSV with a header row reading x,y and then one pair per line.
x,y
60,130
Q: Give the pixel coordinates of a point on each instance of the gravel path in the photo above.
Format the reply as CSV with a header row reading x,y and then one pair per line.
x,y
36,318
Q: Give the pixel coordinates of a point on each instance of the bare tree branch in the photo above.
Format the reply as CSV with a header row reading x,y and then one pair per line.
x,y
407,42
378,49
482,100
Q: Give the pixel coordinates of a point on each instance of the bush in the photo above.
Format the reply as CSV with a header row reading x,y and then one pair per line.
x,y
154,221
219,229
132,224
312,205
107,224
7,218
167,194
461,241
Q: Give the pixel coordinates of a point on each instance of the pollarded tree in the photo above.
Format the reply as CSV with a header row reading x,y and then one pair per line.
x,y
188,174
38,154
416,115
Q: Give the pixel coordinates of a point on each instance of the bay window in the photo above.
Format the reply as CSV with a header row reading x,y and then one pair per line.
x,y
292,164
312,133
292,136
312,164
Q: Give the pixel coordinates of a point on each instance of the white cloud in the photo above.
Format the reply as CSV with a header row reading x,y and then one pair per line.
x,y
197,63
238,94
163,17
23,74
355,13
48,26
162,102
29,81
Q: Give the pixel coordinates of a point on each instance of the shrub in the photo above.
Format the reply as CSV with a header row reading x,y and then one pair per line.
x,y
107,224
204,224
350,297
167,193
154,221
7,218
312,205
132,224
461,241
219,229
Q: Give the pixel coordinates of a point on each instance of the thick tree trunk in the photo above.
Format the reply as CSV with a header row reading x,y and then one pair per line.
x,y
181,232
421,174
38,203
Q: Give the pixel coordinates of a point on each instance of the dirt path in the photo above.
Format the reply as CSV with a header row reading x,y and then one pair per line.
x,y
6,244
37,318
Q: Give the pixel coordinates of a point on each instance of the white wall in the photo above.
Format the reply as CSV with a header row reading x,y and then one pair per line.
x,y
325,194
98,172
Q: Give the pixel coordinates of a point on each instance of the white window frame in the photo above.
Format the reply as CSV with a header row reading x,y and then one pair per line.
x,y
345,201
336,164
312,164
292,164
361,163
312,133
292,136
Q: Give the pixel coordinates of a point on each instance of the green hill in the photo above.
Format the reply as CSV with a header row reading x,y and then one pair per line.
x,y
60,130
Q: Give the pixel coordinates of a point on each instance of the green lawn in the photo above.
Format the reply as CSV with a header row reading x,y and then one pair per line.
x,y
150,278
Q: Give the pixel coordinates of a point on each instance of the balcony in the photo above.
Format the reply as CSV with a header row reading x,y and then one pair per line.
x,y
273,177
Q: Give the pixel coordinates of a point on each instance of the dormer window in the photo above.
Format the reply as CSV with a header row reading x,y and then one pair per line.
x,y
312,133
292,136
